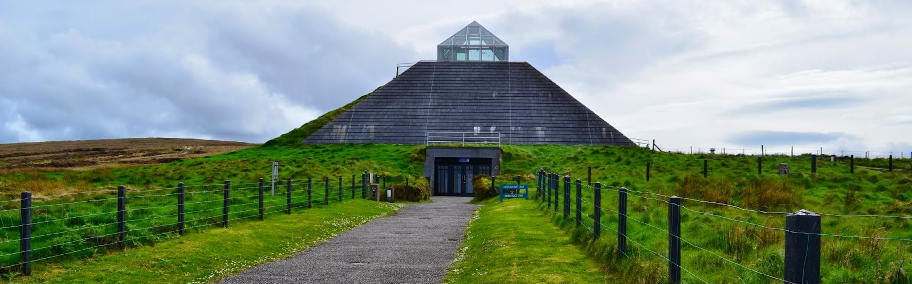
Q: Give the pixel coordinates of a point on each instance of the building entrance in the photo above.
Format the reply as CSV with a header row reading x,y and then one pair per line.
x,y
453,176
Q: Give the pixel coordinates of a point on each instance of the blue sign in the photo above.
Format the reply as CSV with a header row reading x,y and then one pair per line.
x,y
463,160
514,191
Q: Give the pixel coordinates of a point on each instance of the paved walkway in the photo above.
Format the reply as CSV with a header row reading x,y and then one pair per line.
x,y
416,245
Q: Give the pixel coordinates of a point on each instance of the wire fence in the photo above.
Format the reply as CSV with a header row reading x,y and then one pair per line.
x,y
84,224
598,209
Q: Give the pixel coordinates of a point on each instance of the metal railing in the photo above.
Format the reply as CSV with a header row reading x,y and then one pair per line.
x,y
463,138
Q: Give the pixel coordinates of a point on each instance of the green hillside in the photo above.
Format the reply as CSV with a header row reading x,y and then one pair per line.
x,y
297,135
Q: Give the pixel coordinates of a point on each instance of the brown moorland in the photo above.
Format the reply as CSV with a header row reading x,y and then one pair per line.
x,y
91,154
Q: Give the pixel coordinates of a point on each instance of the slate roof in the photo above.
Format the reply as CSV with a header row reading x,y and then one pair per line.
x,y
512,98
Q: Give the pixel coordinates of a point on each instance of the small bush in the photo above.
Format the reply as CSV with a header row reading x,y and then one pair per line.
x,y
712,189
766,193
414,192
481,184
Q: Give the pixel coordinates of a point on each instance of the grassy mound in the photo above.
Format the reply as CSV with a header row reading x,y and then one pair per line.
x,y
297,135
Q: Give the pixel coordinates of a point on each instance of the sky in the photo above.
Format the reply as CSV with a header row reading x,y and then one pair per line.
x,y
703,74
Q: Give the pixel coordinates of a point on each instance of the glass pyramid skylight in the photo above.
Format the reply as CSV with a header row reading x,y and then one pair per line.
x,y
473,43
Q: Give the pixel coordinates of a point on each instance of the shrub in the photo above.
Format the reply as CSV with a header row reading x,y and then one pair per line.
x,y
414,192
766,193
481,184
711,189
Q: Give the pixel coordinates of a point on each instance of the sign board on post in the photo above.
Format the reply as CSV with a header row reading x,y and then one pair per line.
x,y
514,191
275,175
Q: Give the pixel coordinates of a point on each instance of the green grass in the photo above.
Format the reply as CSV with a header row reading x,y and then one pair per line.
x,y
212,254
513,242
732,179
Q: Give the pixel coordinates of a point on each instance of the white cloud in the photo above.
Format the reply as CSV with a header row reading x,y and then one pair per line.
x,y
683,72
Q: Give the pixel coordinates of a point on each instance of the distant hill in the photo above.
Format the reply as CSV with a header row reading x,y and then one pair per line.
x,y
108,152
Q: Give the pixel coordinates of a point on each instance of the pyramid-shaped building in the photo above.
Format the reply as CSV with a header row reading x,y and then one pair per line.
x,y
472,93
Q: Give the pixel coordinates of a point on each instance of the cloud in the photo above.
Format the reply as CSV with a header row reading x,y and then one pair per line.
x,y
779,138
222,71
682,72
801,101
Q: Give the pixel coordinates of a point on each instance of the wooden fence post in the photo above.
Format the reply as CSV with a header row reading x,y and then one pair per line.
x,y
261,208
121,216
891,163
802,247
326,193
674,239
493,182
648,166
288,196
705,168
852,164
180,207
813,164
622,221
597,210
566,196
556,192
579,202
226,201
548,188
353,187
589,176
364,185
759,165
309,192
25,232
340,188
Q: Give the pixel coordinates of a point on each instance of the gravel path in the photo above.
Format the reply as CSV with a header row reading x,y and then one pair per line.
x,y
415,245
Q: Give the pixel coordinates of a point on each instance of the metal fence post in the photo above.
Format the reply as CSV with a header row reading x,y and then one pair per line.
x,y
121,216
802,247
566,196
227,200
597,208
353,187
622,221
407,190
288,196
579,202
518,179
674,239
262,209
340,188
326,194
25,232
180,207
493,183
309,192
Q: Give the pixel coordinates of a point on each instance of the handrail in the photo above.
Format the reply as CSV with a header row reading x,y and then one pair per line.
x,y
446,137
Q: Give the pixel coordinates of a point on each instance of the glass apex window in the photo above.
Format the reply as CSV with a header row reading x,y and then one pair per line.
x,y
473,43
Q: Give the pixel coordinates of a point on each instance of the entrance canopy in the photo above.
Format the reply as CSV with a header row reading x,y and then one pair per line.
x,y
473,43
